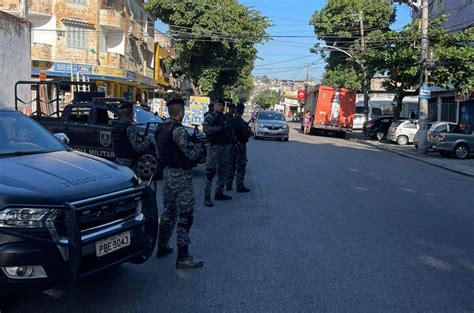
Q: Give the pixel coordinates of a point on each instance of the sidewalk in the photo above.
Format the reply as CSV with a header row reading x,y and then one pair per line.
x,y
464,167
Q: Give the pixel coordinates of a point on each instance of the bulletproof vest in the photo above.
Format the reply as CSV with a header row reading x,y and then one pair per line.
x,y
219,138
243,130
168,151
122,146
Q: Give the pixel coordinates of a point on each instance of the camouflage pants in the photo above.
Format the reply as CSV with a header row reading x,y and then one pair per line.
x,y
237,165
178,200
215,164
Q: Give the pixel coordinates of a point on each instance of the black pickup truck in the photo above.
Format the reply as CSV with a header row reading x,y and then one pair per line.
x,y
89,119
65,214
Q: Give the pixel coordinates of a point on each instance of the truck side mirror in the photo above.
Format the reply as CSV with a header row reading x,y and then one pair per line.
x,y
63,138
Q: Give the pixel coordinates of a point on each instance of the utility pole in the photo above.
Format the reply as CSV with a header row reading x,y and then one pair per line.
x,y
24,9
364,67
423,98
306,86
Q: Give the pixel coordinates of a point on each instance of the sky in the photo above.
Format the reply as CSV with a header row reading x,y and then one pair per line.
x,y
285,58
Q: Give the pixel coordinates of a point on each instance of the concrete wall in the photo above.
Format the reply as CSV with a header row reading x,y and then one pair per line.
x,y
15,57
459,12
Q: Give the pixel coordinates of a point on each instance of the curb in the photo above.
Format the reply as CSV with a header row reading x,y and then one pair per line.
x,y
412,157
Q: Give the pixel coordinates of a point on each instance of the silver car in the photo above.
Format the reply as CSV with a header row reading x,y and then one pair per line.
x,y
270,124
402,131
434,130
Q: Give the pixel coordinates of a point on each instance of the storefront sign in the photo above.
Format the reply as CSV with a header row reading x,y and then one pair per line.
x,y
76,68
198,107
108,71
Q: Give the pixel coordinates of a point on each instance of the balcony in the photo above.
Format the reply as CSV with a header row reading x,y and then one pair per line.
x,y
41,52
35,8
111,18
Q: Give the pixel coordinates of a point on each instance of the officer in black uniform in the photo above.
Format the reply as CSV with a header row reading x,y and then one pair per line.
x,y
126,141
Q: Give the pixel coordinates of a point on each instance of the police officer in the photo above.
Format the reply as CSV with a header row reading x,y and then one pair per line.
x,y
230,151
216,129
178,156
127,143
210,109
239,161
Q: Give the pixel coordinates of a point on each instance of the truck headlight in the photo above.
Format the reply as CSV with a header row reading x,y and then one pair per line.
x,y
24,217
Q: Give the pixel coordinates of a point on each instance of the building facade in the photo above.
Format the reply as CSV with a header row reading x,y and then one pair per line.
x,y
460,13
15,61
107,41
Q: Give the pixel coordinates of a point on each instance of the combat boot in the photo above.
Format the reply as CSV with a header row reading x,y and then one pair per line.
x,y
243,189
208,202
222,196
163,251
186,261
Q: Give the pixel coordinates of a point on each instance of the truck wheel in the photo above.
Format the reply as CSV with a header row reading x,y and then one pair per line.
x,y
402,140
147,165
461,151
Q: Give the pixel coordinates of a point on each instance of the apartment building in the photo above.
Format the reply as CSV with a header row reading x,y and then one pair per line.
x,y
108,41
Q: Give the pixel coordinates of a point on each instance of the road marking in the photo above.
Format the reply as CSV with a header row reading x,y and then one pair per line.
x,y
354,170
408,190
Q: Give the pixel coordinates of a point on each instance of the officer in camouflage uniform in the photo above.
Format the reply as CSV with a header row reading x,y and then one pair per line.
x,y
217,133
178,155
210,109
127,143
239,162
230,149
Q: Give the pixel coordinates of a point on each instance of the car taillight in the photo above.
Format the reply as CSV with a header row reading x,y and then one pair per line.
x,y
430,135
369,124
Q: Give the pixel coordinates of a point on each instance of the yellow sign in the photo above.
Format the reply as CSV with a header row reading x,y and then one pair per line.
x,y
108,71
197,107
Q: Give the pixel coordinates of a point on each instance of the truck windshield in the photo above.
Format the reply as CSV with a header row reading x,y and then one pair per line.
x,y
20,135
272,116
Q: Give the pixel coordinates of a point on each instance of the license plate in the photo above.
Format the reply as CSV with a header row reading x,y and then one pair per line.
x,y
273,132
111,244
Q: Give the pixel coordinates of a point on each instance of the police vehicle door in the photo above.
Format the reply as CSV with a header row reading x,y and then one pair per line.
x,y
103,122
77,127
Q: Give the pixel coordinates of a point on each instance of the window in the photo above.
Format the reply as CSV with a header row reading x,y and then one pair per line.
x,y
80,115
80,2
409,125
76,37
442,128
104,116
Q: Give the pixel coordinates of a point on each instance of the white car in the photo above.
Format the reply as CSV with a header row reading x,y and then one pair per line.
x,y
402,131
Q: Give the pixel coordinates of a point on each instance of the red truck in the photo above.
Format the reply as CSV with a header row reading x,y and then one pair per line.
x,y
332,110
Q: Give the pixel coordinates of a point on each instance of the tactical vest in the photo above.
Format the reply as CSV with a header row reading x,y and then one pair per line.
x,y
219,138
168,151
122,146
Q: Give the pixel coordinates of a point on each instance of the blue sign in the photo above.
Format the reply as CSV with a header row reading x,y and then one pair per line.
x,y
76,68
425,93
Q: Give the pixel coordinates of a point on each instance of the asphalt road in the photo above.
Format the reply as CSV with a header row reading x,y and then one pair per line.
x,y
330,225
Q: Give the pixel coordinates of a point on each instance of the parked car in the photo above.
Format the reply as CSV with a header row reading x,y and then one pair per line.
x,y
434,129
377,128
270,124
359,116
65,214
402,131
459,142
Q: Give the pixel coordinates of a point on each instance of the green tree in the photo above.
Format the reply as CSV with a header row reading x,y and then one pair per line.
x,y
215,41
398,57
338,25
267,99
